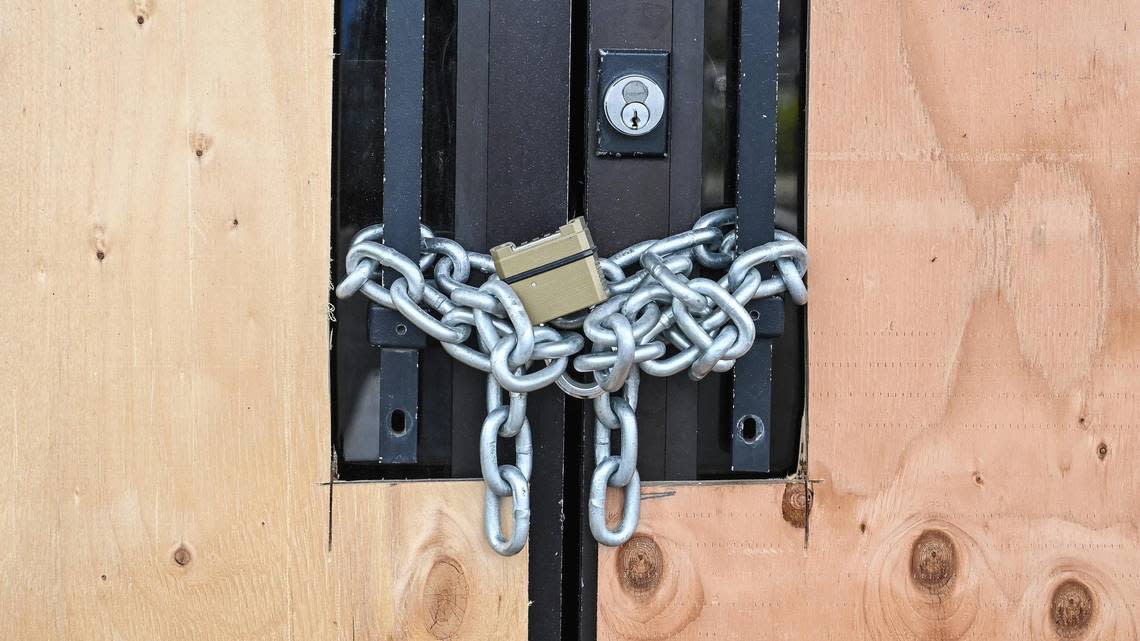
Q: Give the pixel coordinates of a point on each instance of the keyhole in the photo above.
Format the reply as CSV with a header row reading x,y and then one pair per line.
x,y
634,116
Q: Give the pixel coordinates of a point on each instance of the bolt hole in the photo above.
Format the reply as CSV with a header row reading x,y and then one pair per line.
x,y
398,422
751,429
401,329
754,314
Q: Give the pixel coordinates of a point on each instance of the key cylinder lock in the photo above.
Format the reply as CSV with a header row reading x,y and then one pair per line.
x,y
634,105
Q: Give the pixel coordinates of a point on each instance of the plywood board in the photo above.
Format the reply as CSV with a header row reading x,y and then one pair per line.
x,y
164,412
420,567
974,347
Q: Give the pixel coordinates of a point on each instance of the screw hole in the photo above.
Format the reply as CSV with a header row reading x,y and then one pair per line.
x,y
751,429
401,329
754,314
398,422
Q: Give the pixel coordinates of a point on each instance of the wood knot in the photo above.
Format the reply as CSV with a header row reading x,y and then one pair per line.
x,y
796,504
200,143
445,595
1072,609
142,11
182,556
640,563
933,561
99,235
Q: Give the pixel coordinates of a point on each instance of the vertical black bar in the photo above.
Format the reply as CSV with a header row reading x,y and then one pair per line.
x,y
627,198
359,111
528,119
686,88
471,60
580,576
473,48
403,157
527,169
789,350
755,202
626,201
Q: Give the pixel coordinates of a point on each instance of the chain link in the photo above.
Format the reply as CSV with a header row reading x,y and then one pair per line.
x,y
660,320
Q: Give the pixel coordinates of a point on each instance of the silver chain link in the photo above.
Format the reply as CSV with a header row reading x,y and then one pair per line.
x,y
657,320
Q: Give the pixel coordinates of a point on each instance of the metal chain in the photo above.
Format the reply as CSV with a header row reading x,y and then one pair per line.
x,y
658,320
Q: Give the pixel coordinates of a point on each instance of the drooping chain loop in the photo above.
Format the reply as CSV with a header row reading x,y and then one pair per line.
x,y
660,319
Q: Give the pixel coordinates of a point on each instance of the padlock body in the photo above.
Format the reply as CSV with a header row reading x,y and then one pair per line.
x,y
555,275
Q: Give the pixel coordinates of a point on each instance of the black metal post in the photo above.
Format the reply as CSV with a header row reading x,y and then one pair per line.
x,y
755,204
400,341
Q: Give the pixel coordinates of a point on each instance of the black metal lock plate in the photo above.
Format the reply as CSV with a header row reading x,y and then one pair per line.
x,y
389,328
614,64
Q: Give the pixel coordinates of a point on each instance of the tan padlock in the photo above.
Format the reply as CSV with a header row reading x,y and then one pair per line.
x,y
554,275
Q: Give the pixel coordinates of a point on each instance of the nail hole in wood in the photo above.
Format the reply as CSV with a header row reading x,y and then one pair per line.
x,y
1102,450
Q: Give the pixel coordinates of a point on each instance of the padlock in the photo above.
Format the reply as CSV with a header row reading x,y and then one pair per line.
x,y
554,275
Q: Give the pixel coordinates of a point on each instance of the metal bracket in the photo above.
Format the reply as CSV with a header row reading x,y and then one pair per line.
x,y
755,206
389,328
393,437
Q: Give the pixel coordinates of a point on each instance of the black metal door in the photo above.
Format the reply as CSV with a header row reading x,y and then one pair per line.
x,y
492,122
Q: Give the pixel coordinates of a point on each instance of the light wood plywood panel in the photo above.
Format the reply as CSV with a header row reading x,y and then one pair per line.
x,y
164,400
416,565
974,347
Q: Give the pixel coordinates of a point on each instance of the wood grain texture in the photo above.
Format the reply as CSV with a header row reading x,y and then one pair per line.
x,y
164,412
425,573
974,348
